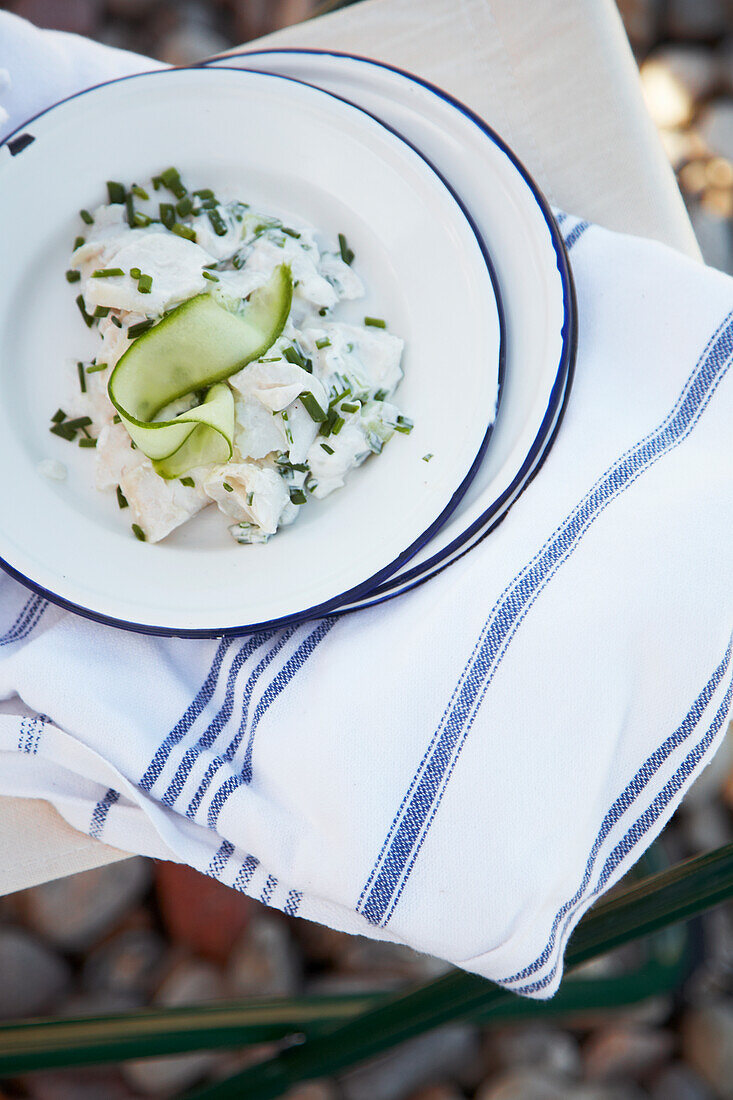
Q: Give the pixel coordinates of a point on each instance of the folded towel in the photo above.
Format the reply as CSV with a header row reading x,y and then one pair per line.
x,y
468,767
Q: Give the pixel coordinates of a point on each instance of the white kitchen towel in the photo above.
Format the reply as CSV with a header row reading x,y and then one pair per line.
x,y
468,767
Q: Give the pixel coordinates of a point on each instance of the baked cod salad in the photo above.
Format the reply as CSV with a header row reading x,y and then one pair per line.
x,y
222,374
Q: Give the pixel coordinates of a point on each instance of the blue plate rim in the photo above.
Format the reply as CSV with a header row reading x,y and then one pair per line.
x,y
328,607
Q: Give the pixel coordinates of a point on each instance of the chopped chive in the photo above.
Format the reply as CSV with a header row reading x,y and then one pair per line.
x,y
141,220
322,312
102,311
337,425
107,272
375,322
145,284
204,193
96,367
324,343
339,397
404,425
117,419
156,183
217,223
297,496
73,276
116,321
426,458
139,191
58,416
78,242
116,192
130,210
184,206
294,356
138,532
291,232
139,329
172,180
250,498
210,277
346,254
82,379
327,449
88,320
380,395
184,231
88,442
135,272
86,217
227,486
167,214
312,407
121,498
349,407
239,260
78,422
272,359
64,432
187,481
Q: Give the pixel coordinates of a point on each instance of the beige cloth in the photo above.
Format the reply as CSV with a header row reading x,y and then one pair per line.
x,y
559,83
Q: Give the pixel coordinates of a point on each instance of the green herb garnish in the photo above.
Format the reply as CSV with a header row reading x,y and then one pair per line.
x,y
139,191
375,322
138,532
121,498
184,231
210,277
167,214
116,192
145,284
187,481
88,442
102,311
312,407
88,319
297,496
324,343
346,254
86,217
172,180
227,486
139,329
78,242
96,367
327,449
82,379
107,272
217,223
73,276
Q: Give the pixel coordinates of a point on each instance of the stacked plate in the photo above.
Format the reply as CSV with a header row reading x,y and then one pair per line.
x,y
454,242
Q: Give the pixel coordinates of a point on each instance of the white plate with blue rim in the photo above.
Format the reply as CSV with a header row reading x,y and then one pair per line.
x,y
530,264
296,151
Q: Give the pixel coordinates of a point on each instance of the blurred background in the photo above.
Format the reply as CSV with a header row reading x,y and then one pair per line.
x,y
135,933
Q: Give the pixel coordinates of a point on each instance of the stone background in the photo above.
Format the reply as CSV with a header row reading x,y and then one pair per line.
x,y
137,933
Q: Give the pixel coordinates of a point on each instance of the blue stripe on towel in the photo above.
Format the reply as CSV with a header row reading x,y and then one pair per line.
x,y
101,810
192,712
638,831
575,234
26,621
215,727
220,860
276,686
248,868
292,903
268,890
623,803
394,864
226,757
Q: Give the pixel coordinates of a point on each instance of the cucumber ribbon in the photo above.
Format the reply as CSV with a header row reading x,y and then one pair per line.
x,y
194,348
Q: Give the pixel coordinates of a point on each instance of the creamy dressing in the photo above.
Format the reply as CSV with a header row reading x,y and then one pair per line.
x,y
307,412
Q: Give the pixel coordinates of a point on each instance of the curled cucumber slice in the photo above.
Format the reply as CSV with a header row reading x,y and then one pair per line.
x,y
194,348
